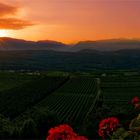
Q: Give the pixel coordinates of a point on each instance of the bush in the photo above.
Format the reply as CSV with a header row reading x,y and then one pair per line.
x,y
5,127
28,130
44,120
131,132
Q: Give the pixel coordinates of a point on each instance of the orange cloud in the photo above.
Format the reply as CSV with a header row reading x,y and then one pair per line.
x,y
7,9
7,21
13,23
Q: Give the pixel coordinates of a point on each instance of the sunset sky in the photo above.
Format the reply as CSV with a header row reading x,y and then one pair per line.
x,y
70,21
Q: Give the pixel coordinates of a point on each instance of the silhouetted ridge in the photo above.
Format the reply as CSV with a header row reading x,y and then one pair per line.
x,y
7,43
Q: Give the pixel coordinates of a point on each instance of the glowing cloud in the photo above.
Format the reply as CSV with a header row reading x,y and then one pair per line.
x,y
13,23
7,21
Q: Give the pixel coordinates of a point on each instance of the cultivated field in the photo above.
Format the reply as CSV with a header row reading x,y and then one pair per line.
x,y
69,98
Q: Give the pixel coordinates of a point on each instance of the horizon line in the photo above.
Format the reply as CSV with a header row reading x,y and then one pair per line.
x,y
75,42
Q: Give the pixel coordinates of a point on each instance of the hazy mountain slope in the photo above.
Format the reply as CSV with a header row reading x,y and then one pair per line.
x,y
68,61
102,45
19,44
107,45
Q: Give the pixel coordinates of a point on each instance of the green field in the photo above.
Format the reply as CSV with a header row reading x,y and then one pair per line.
x,y
69,98
18,98
73,100
10,80
118,91
70,102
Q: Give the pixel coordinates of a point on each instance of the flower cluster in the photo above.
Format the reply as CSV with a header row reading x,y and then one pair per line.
x,y
63,132
107,126
136,102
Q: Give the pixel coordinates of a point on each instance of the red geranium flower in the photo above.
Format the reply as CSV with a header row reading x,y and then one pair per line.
x,y
107,126
63,132
135,100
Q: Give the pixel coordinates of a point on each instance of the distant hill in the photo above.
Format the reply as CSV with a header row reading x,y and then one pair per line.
x,y
107,45
19,44
101,45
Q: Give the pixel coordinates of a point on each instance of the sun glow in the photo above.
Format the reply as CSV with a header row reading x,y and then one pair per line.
x,y
3,33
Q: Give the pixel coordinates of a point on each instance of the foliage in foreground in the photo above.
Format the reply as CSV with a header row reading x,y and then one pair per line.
x,y
109,129
42,121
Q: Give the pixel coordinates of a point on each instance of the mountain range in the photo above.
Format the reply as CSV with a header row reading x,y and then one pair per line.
x,y
7,44
17,54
